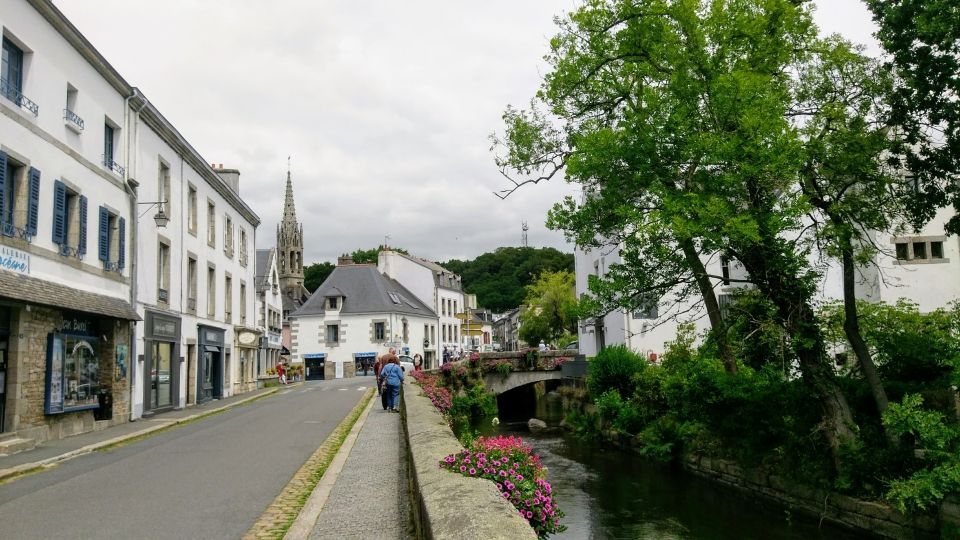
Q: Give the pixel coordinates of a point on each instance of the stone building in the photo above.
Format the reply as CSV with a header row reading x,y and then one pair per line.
x,y
67,215
269,310
289,254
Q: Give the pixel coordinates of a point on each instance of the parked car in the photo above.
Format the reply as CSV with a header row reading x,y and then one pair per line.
x,y
572,345
406,362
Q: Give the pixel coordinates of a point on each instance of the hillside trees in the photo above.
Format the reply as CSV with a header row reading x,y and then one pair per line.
x,y
676,118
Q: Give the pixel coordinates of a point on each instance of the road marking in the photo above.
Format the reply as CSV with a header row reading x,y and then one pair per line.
x,y
361,388
285,392
342,389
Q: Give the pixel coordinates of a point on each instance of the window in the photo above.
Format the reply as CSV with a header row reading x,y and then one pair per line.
x,y
903,251
227,236
111,237
332,302
243,303
192,285
647,309
333,333
192,210
936,250
227,298
69,221
11,77
211,224
110,139
379,331
70,117
19,198
211,292
919,250
163,272
163,189
725,269
243,246
73,372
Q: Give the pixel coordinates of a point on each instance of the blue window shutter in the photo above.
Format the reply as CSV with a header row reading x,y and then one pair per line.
x,y
33,201
121,230
82,244
59,212
3,186
104,233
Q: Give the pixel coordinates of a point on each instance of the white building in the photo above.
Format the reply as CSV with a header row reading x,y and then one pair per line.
x,y
922,268
435,286
66,220
354,316
269,310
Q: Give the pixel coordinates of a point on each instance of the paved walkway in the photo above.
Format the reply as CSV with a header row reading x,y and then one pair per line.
x,y
370,498
70,447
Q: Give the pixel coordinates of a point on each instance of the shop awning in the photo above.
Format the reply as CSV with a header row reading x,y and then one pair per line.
x,y
314,356
284,350
211,348
38,291
364,355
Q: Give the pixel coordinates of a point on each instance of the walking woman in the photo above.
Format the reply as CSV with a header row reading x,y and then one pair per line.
x,y
392,375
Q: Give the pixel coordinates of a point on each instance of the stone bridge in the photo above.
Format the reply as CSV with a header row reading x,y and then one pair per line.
x,y
524,370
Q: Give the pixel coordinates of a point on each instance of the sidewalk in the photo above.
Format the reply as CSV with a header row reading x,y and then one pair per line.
x,y
55,451
370,498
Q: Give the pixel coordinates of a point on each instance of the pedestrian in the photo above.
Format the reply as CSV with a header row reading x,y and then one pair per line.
x,y
392,376
387,358
543,346
417,362
377,367
446,354
281,373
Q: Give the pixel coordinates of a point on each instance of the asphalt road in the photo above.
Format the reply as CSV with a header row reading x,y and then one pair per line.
x,y
209,479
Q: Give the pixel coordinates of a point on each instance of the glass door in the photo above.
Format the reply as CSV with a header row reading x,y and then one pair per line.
x,y
206,377
161,383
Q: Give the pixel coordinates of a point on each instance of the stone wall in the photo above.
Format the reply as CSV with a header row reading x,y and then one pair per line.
x,y
445,504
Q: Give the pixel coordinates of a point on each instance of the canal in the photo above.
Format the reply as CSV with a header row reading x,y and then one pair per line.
x,y
608,493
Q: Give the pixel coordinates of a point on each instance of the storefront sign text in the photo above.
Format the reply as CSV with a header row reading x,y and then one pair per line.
x,y
14,260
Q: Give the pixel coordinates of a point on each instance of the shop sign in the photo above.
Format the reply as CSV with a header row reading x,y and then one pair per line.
x,y
247,338
78,326
273,338
164,328
314,356
14,260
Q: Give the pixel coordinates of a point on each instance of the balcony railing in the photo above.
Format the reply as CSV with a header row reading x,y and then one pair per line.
x,y
13,94
109,163
111,266
70,251
72,120
9,229
163,295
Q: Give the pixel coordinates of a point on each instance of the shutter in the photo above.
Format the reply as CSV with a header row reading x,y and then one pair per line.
x,y
3,187
82,243
103,231
33,202
59,212
121,250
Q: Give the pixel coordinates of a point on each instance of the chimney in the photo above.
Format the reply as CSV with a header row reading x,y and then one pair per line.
x,y
230,176
344,260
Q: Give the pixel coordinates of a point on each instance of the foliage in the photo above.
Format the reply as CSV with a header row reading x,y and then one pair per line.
x,y
940,445
549,310
438,395
755,334
370,256
315,274
470,405
613,369
518,475
499,278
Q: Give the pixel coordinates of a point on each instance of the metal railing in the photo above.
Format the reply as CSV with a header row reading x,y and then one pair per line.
x,y
9,229
163,295
109,163
73,118
13,94
111,266
67,250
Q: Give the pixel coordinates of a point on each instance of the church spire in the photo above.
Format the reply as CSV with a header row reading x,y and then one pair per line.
x,y
289,210
290,242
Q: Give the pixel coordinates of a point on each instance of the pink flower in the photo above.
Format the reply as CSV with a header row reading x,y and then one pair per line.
x,y
472,471
463,468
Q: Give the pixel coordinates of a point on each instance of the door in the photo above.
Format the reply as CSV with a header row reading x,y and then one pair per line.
x,y
314,369
205,377
339,368
3,381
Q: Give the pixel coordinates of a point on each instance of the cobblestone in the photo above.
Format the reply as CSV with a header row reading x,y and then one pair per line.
x,y
371,496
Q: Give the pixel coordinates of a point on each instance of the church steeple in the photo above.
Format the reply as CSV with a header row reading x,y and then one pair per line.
x,y
290,241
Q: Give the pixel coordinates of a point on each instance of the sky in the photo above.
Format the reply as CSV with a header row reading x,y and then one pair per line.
x,y
385,109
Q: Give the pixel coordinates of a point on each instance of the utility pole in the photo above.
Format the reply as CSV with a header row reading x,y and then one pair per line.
x,y
525,229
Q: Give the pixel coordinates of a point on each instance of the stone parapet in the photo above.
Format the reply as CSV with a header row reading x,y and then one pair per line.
x,y
448,505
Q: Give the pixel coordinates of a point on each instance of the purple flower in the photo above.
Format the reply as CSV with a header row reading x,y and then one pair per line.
x,y
463,468
519,478
472,471
503,474
529,514
500,486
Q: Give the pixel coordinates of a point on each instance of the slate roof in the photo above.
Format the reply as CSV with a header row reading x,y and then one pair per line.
x,y
294,297
261,279
365,290
38,291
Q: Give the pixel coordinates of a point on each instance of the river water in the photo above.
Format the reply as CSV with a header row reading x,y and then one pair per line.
x,y
608,493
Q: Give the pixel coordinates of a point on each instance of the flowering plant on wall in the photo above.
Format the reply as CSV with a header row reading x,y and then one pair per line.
x,y
439,396
518,475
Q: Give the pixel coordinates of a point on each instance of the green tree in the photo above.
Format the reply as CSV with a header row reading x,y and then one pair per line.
x,y
315,274
549,310
369,256
681,110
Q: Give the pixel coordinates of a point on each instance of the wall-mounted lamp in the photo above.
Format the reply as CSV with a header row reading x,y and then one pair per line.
x,y
160,217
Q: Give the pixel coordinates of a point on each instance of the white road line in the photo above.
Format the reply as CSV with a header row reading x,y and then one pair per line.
x,y
342,389
361,388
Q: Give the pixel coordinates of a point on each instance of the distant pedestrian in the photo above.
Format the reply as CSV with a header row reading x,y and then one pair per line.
x,y
446,355
392,376
281,373
543,346
377,367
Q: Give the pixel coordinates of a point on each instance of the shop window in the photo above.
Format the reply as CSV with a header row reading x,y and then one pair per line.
x,y
73,376
19,198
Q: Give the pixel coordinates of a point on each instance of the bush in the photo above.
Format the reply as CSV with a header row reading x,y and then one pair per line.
x,y
613,369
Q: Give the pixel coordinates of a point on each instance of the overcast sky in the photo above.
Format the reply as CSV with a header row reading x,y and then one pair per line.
x,y
385,107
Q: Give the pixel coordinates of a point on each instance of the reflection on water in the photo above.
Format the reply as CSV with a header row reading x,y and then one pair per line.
x,y
613,494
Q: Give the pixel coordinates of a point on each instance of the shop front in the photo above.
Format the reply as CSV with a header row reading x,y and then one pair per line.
x,y
364,362
161,363
210,364
247,342
314,365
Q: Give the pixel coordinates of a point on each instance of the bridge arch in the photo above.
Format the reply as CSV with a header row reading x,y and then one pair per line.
x,y
498,384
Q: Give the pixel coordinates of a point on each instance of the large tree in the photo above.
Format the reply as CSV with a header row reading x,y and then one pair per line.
x,y
315,274
681,110
549,310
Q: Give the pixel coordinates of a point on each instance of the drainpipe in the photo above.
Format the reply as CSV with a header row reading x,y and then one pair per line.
x,y
130,185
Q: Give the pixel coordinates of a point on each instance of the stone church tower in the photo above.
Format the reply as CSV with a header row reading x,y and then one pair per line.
x,y
290,244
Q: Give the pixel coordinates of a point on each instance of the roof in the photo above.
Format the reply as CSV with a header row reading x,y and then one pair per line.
x,y
42,292
261,278
441,276
294,297
365,290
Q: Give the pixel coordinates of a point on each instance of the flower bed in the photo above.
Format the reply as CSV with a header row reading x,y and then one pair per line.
x,y
439,396
518,475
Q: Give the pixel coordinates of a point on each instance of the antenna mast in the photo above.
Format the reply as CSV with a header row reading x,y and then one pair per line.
x,y
525,229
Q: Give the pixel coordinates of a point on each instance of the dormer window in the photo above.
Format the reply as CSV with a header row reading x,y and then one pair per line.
x,y
333,302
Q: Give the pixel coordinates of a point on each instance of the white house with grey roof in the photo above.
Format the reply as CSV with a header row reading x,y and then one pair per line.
x,y
355,315
269,309
435,286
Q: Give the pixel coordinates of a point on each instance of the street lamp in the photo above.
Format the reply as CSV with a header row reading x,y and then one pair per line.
x,y
160,217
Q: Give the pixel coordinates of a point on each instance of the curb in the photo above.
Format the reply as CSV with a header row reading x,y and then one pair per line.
x,y
6,474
